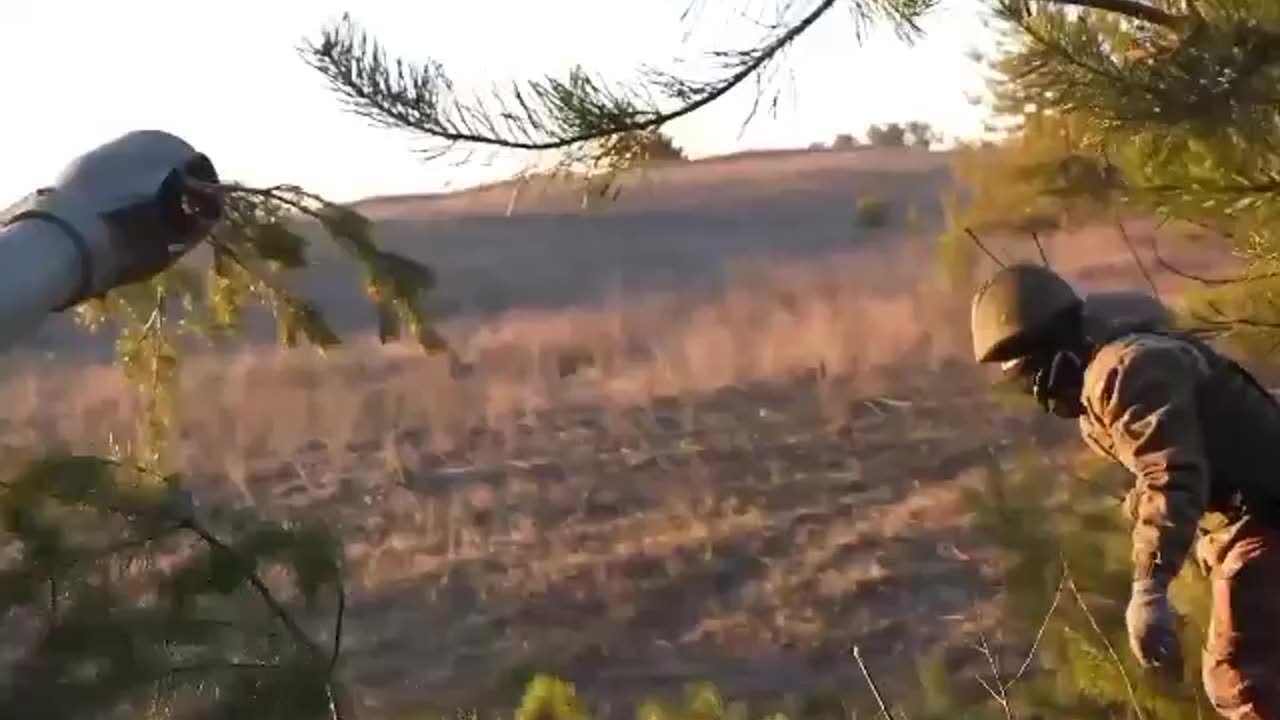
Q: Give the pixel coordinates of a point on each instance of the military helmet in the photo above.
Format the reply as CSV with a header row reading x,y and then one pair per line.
x,y
1014,304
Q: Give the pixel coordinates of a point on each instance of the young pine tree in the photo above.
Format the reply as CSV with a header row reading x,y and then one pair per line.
x,y
1071,555
118,596
1175,112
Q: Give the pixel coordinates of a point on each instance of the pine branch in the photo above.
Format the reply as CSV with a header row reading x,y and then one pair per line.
x,y
1044,257
1137,259
273,604
982,246
339,703
1211,76
1062,54
1227,321
394,283
89,482
551,114
337,57
1269,186
1131,9
1169,267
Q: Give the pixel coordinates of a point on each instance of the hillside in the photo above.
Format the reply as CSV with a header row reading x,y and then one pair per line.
x,y
683,229
673,228
716,182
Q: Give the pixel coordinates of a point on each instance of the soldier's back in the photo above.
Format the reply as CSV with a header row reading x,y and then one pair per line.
x,y
1239,419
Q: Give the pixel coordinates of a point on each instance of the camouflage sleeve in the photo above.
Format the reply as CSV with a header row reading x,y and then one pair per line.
x,y
1145,400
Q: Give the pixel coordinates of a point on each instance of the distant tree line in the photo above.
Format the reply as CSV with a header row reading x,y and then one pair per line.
x,y
915,134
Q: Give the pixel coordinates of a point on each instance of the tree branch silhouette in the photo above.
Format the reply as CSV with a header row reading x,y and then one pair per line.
x,y
551,113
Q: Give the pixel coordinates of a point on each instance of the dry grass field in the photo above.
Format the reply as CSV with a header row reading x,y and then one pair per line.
x,y
729,473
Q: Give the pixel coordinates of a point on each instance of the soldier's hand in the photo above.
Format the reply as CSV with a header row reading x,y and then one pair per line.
x,y
1153,634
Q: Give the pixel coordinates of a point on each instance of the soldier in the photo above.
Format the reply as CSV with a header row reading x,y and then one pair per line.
x,y
1202,440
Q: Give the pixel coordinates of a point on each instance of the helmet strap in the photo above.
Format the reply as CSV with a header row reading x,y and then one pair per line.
x,y
1056,388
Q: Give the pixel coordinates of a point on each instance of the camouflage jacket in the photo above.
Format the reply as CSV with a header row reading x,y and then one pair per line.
x,y
1198,434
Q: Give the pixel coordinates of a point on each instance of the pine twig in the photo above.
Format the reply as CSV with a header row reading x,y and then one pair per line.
x,y
1137,259
326,58
339,701
339,618
1169,267
268,598
1131,9
1227,321
338,705
1044,257
977,241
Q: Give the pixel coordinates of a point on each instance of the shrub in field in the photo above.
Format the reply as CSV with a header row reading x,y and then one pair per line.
x,y
1065,578
871,212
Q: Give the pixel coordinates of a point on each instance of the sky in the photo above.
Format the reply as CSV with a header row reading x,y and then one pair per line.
x,y
227,77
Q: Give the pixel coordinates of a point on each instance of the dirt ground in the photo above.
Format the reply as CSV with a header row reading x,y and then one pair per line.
x,y
730,477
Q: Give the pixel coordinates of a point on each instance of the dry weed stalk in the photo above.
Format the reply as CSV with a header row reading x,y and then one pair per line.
x,y
1000,691
871,683
1111,651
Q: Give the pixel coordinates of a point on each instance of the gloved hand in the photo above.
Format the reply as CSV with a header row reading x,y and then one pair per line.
x,y
127,206
1153,636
